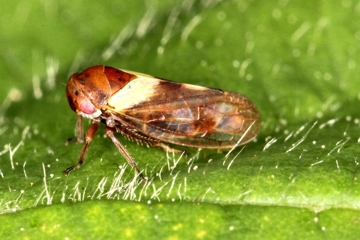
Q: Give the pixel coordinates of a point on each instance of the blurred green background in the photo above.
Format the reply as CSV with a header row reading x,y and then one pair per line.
x,y
297,61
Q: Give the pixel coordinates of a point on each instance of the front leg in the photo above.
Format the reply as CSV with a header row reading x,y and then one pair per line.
x,y
88,138
79,129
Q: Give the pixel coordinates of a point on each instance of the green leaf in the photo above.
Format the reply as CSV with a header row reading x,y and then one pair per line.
x,y
296,61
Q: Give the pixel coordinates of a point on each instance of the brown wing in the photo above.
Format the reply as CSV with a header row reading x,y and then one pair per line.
x,y
194,116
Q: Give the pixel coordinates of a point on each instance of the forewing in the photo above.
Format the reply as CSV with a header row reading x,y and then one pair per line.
x,y
186,114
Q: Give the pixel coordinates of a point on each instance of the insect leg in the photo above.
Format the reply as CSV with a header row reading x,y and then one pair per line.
x,y
88,138
80,136
170,150
110,133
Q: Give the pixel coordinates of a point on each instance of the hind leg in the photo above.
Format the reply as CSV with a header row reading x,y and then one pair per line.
x,y
169,149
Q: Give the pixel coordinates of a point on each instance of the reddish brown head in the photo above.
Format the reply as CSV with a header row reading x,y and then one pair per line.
x,y
88,91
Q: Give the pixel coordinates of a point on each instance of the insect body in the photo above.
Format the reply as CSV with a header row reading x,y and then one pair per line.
x,y
155,111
